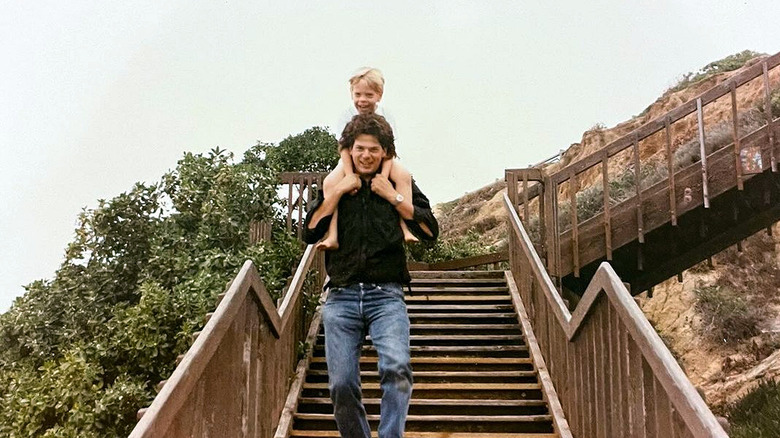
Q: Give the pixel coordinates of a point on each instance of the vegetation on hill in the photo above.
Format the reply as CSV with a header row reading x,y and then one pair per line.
x,y
81,353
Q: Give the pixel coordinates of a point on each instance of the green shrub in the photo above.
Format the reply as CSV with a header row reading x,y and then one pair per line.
x,y
729,63
442,250
757,414
726,315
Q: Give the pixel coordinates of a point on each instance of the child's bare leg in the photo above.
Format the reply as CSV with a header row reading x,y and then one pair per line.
x,y
403,184
331,240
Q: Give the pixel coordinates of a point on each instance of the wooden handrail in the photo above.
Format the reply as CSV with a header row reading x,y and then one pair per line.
x,y
669,117
462,263
245,327
633,348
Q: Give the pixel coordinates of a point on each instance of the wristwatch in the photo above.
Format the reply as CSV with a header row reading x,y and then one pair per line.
x,y
399,198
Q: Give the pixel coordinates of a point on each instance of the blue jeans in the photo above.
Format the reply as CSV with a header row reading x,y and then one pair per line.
x,y
349,313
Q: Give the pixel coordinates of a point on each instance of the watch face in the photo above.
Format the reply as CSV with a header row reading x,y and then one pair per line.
x,y
399,198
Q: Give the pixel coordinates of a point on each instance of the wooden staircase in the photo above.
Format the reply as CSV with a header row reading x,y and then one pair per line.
x,y
473,374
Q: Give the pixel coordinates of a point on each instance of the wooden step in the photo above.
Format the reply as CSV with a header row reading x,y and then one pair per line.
x,y
335,434
464,339
413,299
458,289
485,316
465,308
444,282
437,376
431,406
450,350
455,423
455,274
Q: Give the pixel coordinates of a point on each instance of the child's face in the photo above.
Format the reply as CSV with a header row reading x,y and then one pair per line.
x,y
364,97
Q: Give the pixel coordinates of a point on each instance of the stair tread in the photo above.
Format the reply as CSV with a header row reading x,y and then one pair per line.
x,y
471,386
439,418
511,373
496,280
335,434
434,298
438,402
456,274
466,289
474,336
463,360
477,307
495,315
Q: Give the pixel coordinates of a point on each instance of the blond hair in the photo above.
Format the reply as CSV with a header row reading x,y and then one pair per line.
x,y
372,76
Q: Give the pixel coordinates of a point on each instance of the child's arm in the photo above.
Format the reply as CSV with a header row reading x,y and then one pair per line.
x,y
346,162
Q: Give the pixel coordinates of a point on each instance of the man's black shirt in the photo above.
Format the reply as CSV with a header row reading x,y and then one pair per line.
x,y
371,243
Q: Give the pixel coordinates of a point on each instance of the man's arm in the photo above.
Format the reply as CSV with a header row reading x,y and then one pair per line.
x,y
423,224
318,218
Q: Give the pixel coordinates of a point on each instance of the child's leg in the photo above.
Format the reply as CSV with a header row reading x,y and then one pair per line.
x,y
403,184
331,240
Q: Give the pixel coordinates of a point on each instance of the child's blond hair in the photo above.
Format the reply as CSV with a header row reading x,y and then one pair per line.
x,y
372,76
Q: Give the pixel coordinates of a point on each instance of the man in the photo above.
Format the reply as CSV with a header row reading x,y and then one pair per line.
x,y
366,276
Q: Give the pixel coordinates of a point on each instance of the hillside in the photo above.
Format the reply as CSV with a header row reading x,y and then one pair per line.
x,y
738,294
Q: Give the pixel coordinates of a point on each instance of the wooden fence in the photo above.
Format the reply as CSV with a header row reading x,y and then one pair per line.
x,y
234,379
302,188
613,374
568,247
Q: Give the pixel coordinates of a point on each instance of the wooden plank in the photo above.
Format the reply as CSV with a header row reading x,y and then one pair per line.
x,y
639,204
526,218
511,186
560,423
413,434
468,262
769,118
575,255
587,338
736,138
602,379
612,389
703,152
670,172
649,400
663,411
607,207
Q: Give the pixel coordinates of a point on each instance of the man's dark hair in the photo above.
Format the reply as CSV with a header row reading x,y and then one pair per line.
x,y
371,124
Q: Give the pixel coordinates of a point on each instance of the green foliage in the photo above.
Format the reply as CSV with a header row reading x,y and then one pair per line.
x,y
729,63
79,354
314,150
726,315
757,415
440,250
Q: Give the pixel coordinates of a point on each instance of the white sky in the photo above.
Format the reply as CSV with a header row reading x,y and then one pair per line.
x,y
97,95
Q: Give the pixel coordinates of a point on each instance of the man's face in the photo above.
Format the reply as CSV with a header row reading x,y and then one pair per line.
x,y
364,97
367,155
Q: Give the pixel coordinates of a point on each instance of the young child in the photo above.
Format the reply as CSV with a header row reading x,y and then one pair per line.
x,y
366,88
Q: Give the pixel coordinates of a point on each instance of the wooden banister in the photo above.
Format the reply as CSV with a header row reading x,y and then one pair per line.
x,y
227,384
614,375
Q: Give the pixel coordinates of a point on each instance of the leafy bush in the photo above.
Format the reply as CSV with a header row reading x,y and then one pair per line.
x,y
757,414
80,354
726,315
314,150
441,250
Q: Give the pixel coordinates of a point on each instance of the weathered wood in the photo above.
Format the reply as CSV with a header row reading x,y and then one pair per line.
x,y
607,207
550,395
703,152
575,246
769,117
735,138
653,126
636,342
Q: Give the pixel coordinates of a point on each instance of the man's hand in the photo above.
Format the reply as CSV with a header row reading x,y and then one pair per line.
x,y
383,187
